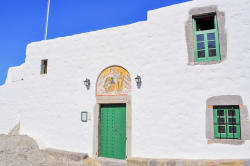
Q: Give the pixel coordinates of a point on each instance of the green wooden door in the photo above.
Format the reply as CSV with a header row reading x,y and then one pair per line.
x,y
113,131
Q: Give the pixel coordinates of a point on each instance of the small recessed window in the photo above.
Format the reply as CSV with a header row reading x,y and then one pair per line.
x,y
226,122
206,38
44,66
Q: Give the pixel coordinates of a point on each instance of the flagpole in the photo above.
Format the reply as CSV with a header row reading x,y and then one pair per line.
x,y
47,21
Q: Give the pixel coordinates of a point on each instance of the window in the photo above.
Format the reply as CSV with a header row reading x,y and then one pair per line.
x,y
44,66
206,38
227,122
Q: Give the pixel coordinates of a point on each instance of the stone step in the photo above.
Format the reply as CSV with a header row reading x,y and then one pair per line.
x,y
185,162
164,162
104,162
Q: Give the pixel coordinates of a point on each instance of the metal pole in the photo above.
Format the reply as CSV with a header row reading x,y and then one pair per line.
x,y
47,21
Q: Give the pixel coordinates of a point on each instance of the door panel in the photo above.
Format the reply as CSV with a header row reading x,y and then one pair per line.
x,y
113,131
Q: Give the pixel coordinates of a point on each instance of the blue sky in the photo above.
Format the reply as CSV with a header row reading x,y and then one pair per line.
x,y
23,21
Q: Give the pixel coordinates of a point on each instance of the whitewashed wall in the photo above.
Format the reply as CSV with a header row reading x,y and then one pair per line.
x,y
168,111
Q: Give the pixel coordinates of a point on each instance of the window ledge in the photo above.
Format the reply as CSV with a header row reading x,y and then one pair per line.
x,y
204,63
226,141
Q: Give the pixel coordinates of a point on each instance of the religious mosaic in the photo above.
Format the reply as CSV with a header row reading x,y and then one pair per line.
x,y
113,81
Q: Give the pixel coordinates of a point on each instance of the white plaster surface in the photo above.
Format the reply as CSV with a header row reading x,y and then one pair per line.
x,y
168,110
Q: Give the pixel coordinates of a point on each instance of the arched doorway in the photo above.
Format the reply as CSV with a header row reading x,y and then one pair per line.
x,y
112,114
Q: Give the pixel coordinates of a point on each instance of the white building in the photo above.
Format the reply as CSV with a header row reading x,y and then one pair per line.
x,y
192,102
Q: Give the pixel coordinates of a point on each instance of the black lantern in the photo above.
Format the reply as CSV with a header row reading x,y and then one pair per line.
x,y
87,83
138,81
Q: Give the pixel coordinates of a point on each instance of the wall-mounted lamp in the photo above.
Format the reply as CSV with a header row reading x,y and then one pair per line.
x,y
138,81
87,83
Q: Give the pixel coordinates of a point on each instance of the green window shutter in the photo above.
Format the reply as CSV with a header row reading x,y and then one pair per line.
x,y
44,65
206,43
230,126
226,123
44,68
220,121
233,127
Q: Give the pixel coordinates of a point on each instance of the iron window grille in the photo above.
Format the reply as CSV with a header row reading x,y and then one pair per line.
x,y
227,122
